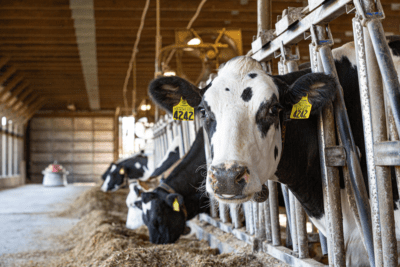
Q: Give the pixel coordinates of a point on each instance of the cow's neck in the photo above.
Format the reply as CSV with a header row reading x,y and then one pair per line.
x,y
187,177
299,166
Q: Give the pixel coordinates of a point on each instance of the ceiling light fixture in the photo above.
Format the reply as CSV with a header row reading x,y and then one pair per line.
x,y
194,41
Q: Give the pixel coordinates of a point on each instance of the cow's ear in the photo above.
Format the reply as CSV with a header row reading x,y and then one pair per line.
x,y
320,88
148,196
168,91
175,201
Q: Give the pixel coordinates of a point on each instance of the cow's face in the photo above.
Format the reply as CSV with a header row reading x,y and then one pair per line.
x,y
133,169
164,223
241,111
110,183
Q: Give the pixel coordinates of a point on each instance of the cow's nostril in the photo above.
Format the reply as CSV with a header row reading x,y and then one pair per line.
x,y
241,174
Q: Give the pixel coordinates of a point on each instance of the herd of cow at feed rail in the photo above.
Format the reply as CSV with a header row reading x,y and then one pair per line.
x,y
242,111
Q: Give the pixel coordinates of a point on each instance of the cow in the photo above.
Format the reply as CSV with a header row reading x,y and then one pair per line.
x,y
134,167
136,188
243,110
177,199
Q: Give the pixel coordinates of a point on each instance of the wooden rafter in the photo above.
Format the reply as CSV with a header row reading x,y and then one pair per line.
x,y
12,97
11,84
7,74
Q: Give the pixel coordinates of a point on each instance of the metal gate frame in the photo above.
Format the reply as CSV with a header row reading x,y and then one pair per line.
x,y
380,102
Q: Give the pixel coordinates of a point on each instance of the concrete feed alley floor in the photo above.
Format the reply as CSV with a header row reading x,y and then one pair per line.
x,y
26,216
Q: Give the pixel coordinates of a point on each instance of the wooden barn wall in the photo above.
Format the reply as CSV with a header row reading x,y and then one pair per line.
x,y
83,145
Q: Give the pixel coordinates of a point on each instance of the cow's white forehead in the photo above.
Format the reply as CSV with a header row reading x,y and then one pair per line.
x,y
234,78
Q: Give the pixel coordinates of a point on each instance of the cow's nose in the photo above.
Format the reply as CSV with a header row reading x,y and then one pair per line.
x,y
228,180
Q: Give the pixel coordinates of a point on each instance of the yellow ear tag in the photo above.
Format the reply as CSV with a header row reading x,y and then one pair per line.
x,y
175,205
183,111
122,171
302,109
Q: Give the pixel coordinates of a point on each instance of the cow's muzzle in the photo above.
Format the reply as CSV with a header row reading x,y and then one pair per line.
x,y
228,180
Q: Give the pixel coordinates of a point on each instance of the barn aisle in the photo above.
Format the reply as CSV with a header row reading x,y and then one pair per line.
x,y
27,216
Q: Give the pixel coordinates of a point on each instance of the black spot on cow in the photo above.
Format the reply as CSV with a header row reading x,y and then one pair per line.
x,y
227,89
267,115
275,152
247,94
253,75
210,123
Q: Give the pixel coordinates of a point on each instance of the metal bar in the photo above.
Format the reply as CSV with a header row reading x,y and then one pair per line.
x,y
323,14
264,21
386,65
301,231
261,223
234,212
223,212
324,245
285,193
387,153
293,220
366,76
377,134
267,212
274,208
343,125
394,136
327,137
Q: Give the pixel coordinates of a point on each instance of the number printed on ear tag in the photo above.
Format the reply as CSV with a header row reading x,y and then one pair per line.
x,y
175,205
183,111
302,109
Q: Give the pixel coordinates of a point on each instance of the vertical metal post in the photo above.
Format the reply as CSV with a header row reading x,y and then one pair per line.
x,y
293,221
353,164
285,193
223,212
301,231
330,177
274,208
257,222
261,222
182,142
267,212
374,123
386,66
264,20
235,216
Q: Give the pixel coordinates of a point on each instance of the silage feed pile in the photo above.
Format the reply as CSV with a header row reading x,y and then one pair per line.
x,y
100,238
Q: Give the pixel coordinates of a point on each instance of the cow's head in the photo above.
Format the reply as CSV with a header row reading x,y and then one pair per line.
x,y
242,110
165,224
135,168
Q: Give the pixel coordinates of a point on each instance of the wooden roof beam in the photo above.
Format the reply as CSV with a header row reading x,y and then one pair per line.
x,y
11,84
12,97
7,74
21,98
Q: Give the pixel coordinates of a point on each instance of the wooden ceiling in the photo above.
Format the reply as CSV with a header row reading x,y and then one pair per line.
x,y
39,49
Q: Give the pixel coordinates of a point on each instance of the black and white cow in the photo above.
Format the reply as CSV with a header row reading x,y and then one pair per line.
x,y
243,111
179,189
134,167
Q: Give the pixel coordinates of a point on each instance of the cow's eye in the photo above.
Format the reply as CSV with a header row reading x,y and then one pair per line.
x,y
203,113
274,110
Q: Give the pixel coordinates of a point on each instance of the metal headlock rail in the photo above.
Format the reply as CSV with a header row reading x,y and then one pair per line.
x,y
167,129
258,223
